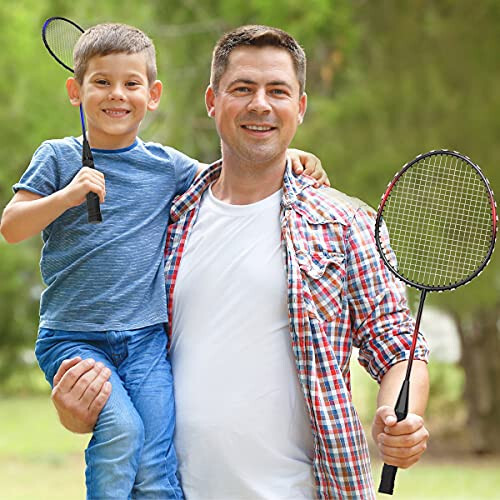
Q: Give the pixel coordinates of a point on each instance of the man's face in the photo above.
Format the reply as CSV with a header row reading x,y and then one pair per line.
x,y
258,106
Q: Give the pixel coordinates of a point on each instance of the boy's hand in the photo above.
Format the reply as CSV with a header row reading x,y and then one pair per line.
x,y
86,180
309,164
81,389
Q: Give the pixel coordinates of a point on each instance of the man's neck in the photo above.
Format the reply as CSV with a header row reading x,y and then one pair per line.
x,y
243,184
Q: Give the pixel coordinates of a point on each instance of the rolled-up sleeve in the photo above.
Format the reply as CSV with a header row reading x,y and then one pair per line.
x,y
381,321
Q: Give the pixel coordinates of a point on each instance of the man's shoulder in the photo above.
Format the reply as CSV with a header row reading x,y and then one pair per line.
x,y
333,205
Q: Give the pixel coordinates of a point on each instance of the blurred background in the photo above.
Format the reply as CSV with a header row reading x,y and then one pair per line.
x,y
387,80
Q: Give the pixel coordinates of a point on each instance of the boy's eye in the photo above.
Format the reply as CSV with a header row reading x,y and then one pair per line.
x,y
132,84
101,81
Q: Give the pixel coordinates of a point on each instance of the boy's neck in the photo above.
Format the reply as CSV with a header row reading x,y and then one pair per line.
x,y
109,146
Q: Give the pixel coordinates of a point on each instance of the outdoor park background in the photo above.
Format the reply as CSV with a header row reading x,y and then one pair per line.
x,y
387,80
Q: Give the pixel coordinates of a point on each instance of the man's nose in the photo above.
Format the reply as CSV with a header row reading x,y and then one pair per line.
x,y
260,102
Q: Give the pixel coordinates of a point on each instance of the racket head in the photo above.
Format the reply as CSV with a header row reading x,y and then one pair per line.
x,y
440,216
59,36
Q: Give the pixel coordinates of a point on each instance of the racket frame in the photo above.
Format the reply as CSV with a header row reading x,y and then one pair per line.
x,y
93,206
386,196
402,403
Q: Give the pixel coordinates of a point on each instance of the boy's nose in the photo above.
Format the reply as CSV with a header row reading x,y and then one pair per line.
x,y
116,93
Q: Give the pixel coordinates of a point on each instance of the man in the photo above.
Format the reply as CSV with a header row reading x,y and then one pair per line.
x,y
270,285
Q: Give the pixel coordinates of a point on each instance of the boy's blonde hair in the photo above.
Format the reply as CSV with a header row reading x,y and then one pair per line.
x,y
113,38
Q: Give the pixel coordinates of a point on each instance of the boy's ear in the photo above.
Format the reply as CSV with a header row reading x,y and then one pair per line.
x,y
155,91
210,101
73,89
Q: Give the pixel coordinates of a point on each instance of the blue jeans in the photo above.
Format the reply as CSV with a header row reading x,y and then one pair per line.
x,y
131,453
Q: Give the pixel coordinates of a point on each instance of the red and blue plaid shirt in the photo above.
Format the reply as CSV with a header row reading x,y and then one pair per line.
x,y
340,295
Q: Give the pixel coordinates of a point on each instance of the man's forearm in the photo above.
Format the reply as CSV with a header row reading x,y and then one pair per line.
x,y
419,386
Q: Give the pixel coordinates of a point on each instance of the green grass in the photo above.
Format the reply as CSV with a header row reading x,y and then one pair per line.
x,y
40,460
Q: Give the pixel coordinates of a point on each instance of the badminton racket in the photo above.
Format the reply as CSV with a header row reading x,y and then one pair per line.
x,y
59,36
440,215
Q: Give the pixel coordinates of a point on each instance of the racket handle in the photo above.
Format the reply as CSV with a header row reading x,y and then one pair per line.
x,y
401,410
387,481
93,209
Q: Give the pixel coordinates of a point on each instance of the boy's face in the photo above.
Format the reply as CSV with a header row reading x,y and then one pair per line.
x,y
115,94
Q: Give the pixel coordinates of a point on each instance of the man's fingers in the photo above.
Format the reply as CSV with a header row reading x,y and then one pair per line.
x,y
99,401
63,368
409,425
402,457
95,387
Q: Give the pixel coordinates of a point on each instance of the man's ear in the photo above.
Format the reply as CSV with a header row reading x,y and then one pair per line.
x,y
73,89
210,101
155,91
302,107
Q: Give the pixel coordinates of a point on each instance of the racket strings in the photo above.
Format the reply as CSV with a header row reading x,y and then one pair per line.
x,y
439,216
61,37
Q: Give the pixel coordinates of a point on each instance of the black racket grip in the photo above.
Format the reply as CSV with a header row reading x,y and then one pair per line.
x,y
389,471
93,209
387,481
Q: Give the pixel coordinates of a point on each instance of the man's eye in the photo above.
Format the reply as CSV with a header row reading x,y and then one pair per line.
x,y
278,92
242,90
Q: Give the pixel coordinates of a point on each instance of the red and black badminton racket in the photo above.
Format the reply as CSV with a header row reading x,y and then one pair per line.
x,y
59,36
441,218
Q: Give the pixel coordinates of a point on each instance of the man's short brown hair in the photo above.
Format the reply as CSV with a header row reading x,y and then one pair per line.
x,y
113,38
256,36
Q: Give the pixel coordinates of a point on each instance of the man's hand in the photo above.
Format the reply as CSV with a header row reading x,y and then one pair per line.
x,y
309,164
399,443
81,389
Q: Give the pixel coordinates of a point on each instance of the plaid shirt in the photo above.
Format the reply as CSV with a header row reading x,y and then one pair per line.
x,y
340,295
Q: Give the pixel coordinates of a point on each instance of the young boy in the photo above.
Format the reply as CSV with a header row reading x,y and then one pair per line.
x,y
105,295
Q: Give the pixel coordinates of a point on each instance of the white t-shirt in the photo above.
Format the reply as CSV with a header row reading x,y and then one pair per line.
x,y
243,430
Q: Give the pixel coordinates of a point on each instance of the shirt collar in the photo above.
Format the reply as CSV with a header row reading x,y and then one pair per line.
x,y
293,185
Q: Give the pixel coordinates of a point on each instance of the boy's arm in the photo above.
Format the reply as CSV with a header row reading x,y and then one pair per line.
x,y
302,163
29,213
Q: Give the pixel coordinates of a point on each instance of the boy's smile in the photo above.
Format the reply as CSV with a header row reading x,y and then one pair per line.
x,y
115,94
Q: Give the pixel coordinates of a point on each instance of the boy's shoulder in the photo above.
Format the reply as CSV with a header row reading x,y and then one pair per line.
x,y
62,144
164,153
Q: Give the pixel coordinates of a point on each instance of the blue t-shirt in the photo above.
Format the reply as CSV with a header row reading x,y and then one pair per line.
x,y
107,276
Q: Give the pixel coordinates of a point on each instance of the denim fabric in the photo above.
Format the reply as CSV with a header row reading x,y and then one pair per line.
x,y
131,453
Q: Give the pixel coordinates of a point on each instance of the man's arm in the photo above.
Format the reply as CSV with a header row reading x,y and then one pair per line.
x,y
80,391
402,443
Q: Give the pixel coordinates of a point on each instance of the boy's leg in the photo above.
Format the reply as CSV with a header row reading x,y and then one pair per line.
x,y
114,451
148,379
